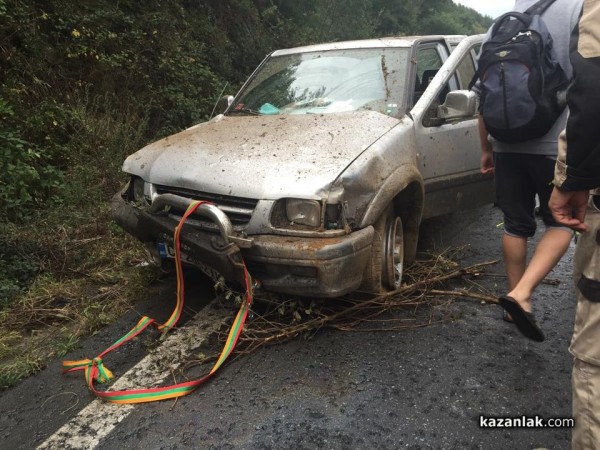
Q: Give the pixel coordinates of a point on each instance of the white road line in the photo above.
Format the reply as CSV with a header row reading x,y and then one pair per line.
x,y
99,418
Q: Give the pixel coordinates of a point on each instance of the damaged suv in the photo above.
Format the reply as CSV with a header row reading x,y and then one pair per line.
x,y
321,168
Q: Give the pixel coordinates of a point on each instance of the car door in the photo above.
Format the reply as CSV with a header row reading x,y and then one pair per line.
x,y
448,151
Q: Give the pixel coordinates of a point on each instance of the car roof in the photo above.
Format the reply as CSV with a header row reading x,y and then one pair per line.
x,y
400,41
455,38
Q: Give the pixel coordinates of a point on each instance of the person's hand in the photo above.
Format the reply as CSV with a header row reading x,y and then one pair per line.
x,y
568,208
487,161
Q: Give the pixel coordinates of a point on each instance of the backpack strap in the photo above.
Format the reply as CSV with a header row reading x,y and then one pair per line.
x,y
539,7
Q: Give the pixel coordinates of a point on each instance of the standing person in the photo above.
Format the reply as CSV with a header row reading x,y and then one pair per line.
x,y
523,170
573,204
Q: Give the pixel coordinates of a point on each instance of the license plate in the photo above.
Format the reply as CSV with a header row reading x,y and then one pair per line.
x,y
166,251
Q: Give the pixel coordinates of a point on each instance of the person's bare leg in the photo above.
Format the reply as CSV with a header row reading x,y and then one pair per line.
x,y
515,257
551,247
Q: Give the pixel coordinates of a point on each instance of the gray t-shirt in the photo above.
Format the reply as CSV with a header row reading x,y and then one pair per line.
x,y
560,18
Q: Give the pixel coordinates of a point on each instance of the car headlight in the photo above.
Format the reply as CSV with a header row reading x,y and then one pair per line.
x,y
138,191
303,212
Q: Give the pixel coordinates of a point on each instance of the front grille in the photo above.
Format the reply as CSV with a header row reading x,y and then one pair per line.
x,y
238,209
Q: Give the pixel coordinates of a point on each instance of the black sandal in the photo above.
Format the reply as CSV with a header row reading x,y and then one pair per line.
x,y
524,320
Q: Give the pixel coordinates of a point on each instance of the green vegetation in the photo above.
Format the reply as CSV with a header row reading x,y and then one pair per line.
x,y
82,85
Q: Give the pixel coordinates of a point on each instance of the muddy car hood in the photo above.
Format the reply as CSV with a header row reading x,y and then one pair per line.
x,y
262,157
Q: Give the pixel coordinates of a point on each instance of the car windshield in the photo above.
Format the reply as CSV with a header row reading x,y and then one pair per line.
x,y
328,82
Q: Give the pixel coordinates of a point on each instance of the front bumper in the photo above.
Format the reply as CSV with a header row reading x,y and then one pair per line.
x,y
321,267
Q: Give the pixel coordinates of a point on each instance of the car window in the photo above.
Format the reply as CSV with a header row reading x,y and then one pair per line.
x,y
466,69
328,82
429,60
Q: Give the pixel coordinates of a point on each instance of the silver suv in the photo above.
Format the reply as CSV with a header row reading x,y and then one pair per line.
x,y
321,168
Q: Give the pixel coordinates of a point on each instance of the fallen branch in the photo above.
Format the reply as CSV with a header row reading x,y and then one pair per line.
x,y
285,319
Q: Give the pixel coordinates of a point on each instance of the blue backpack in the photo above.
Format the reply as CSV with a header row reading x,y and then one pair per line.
x,y
522,85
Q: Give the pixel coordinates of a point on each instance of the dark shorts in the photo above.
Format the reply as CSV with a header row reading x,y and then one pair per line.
x,y
518,179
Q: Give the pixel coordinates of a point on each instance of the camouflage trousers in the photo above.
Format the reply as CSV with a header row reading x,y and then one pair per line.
x,y
585,344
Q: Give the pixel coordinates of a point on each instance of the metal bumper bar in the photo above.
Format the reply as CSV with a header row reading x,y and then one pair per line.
x,y
204,250
208,210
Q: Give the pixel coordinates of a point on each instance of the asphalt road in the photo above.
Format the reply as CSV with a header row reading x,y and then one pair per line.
x,y
416,389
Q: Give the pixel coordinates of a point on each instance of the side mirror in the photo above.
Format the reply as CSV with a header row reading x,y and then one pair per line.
x,y
458,104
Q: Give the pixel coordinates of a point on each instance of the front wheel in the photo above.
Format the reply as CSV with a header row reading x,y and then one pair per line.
x,y
384,269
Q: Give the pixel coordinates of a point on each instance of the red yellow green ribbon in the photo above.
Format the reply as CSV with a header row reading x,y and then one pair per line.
x,y
94,369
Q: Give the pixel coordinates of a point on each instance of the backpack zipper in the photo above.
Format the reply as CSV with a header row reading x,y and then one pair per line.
x,y
503,79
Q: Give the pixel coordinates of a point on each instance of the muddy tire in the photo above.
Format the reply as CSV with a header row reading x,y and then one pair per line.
x,y
384,269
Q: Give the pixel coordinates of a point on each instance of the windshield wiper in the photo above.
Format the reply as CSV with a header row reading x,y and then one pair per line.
x,y
245,111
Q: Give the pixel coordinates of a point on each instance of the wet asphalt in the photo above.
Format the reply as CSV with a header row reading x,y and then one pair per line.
x,y
421,388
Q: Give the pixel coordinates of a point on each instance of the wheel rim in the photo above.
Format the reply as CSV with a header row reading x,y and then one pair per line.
x,y
394,254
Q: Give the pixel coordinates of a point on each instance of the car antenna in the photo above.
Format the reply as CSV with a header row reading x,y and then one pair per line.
x,y
218,99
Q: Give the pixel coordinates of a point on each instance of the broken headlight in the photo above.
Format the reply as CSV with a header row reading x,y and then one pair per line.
x,y
291,213
138,191
303,212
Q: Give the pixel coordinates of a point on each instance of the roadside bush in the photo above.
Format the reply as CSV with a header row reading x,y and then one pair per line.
x,y
25,179
67,74
19,265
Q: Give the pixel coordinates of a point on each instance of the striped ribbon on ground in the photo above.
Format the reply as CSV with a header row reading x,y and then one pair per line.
x,y
94,369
